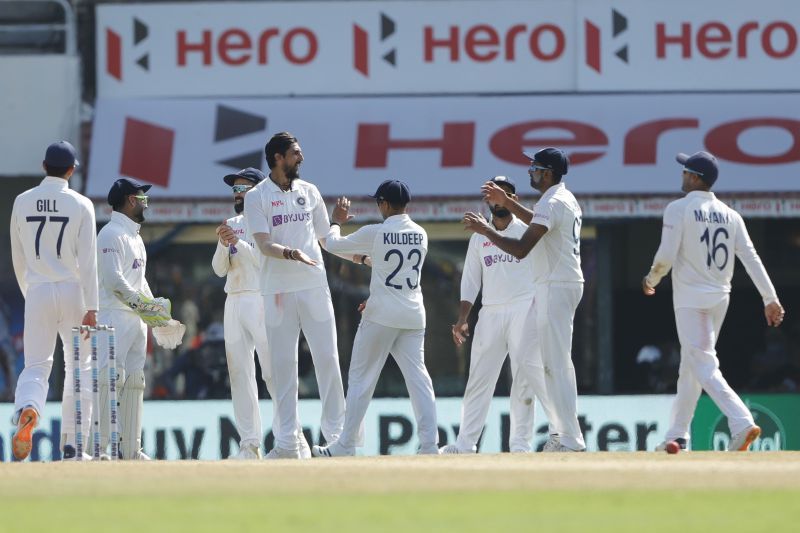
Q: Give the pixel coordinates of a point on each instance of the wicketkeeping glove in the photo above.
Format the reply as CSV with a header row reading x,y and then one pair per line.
x,y
154,312
169,336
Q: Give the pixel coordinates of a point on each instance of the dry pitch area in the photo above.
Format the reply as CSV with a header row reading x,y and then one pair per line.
x,y
597,492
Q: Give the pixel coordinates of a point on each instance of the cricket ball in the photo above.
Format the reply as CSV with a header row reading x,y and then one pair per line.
x,y
673,447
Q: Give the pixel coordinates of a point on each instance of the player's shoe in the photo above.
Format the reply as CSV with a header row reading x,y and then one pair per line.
x,y
551,444
428,449
520,450
741,441
452,449
70,455
302,447
282,453
140,456
663,445
247,452
333,450
22,442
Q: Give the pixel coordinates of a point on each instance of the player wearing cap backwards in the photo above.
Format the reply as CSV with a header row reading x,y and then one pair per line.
x,y
288,221
238,258
553,238
53,251
393,320
127,304
507,294
699,238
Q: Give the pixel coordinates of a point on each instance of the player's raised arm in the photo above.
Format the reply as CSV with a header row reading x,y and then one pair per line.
x,y
495,195
519,248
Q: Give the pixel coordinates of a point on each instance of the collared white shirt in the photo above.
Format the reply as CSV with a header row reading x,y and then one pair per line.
x,y
699,239
398,248
296,218
53,238
557,255
122,258
240,262
505,278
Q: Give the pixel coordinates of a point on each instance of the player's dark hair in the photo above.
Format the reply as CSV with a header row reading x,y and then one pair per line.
x,y
396,206
278,144
56,172
556,176
118,206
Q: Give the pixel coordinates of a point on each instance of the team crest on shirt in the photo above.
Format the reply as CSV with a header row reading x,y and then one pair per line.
x,y
301,200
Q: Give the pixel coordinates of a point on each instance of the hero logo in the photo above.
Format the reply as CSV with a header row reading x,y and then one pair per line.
x,y
361,45
619,24
639,146
114,49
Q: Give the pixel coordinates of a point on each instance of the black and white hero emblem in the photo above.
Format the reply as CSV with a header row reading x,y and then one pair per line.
x,y
301,200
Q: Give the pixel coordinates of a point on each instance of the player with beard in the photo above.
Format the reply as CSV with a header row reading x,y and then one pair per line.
x,y
507,293
553,238
287,218
237,257
127,303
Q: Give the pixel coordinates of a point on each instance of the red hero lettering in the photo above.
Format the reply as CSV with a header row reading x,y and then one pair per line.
x,y
484,43
716,40
236,46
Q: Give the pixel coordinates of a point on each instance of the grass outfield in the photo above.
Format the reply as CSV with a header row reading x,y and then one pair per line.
x,y
597,492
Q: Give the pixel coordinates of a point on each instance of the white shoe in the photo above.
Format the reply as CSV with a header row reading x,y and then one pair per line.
x,y
333,450
428,449
662,447
282,453
521,450
247,452
451,449
741,441
303,448
140,456
554,446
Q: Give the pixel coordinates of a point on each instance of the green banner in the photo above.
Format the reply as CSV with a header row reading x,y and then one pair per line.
x,y
778,415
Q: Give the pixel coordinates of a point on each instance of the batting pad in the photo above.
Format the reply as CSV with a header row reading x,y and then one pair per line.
x,y
131,405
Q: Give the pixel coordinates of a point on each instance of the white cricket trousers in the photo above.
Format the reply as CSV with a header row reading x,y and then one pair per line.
x,y
698,331
54,309
499,331
245,333
372,345
285,315
130,334
549,326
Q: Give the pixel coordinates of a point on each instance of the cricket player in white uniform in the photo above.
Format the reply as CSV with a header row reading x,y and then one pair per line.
x,y
286,217
238,258
553,238
53,252
393,320
699,239
127,304
507,295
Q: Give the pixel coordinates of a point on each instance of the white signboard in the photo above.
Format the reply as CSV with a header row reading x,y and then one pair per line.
x,y
447,47
205,429
449,146
283,48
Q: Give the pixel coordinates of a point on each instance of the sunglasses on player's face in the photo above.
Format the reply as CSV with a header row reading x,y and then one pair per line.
x,y
142,198
241,188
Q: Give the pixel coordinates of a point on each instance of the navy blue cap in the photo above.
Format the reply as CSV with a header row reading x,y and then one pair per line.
x,y
551,158
122,188
393,191
61,154
249,173
701,163
502,180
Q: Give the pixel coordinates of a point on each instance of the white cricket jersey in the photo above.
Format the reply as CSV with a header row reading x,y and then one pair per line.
x,y
398,248
296,218
505,278
557,255
699,239
122,258
53,238
240,262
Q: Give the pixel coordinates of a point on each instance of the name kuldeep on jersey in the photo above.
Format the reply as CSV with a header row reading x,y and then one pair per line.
x,y
402,238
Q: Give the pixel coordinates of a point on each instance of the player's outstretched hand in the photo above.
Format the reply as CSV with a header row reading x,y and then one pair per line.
x,y
494,194
774,313
460,333
89,319
647,289
475,222
341,213
299,256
